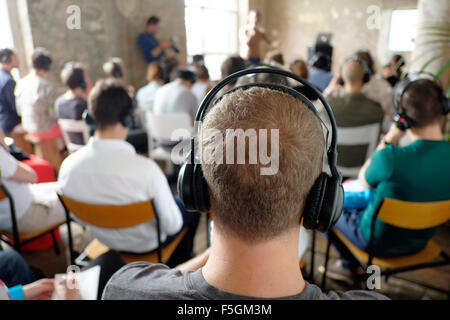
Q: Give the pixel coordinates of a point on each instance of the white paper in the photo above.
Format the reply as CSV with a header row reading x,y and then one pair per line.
x,y
87,280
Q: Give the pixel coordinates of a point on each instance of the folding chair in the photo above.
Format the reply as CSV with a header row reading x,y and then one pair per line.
x,y
357,136
73,126
117,217
407,215
160,129
21,239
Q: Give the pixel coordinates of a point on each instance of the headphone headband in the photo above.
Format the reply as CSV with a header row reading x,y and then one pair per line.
x,y
332,151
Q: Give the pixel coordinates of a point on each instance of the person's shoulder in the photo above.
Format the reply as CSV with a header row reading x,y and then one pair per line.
x,y
143,280
355,295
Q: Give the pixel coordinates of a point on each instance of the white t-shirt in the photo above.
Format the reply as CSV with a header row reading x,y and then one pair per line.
x,y
20,191
146,95
175,97
110,172
199,90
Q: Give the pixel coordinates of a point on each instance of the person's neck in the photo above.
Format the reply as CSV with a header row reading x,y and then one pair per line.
x,y
116,132
352,88
266,270
76,93
40,73
6,67
431,132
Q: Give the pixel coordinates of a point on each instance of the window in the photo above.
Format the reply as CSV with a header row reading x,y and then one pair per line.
x,y
212,30
6,38
403,30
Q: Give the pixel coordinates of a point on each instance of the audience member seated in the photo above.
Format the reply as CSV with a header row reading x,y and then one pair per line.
x,y
14,270
137,135
35,99
354,109
114,68
257,217
37,205
319,74
146,95
300,68
418,172
10,120
275,58
377,89
176,96
72,104
231,65
202,86
108,171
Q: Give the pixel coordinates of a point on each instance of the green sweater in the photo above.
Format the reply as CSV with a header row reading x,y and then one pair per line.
x,y
419,172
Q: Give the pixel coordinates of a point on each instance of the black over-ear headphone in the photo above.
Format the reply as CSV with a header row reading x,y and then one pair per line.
x,y
401,120
367,72
324,204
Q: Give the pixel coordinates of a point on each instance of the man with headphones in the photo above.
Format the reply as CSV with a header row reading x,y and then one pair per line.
x,y
354,108
418,172
9,118
257,217
108,171
176,96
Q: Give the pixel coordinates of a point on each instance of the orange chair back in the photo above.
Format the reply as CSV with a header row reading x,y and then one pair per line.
x,y
110,216
414,215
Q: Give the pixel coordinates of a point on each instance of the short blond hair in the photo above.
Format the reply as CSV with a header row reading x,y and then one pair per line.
x,y
353,72
251,206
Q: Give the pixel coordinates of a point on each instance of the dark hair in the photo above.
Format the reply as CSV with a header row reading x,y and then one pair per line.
x,y
41,59
367,57
232,65
73,76
186,74
108,103
6,55
152,20
198,58
422,103
321,61
113,68
202,72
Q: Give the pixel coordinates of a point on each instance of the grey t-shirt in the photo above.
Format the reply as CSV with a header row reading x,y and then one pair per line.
x,y
145,281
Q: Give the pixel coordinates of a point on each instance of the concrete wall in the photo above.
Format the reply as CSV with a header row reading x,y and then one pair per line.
x,y
108,28
297,23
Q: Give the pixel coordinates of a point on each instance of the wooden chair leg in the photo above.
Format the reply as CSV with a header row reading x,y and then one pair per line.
x,y
21,142
48,150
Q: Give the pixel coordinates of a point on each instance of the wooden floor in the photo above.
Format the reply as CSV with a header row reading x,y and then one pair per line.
x,y
402,286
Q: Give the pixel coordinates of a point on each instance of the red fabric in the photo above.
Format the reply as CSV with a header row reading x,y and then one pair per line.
x,y
54,133
45,174
43,169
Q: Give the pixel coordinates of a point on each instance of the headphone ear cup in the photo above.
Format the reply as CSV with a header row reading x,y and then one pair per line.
x,y
90,122
314,202
446,109
184,186
332,204
201,194
324,204
402,122
366,78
